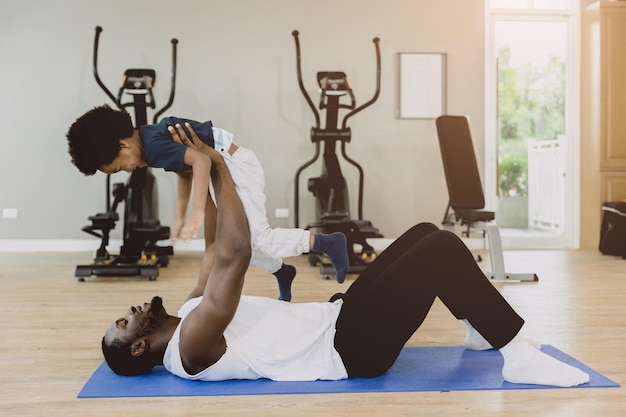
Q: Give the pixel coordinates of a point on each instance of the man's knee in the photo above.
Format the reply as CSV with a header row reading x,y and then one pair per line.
x,y
439,243
422,229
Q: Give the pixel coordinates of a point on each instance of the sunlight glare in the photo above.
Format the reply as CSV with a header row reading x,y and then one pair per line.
x,y
532,42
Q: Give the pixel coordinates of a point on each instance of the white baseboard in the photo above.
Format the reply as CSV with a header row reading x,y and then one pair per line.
x,y
80,245
90,245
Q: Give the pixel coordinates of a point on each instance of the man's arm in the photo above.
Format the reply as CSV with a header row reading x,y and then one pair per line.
x,y
201,341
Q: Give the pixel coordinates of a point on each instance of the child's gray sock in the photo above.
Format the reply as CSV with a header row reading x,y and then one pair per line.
x,y
285,276
334,246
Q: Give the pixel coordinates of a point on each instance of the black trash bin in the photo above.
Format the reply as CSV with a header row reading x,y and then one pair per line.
x,y
613,230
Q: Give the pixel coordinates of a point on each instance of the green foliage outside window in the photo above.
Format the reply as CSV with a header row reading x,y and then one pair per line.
x,y
531,105
513,178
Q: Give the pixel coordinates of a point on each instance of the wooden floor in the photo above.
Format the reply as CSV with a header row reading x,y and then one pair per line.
x,y
51,326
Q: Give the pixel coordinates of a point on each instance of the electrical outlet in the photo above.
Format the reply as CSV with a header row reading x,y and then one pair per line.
x,y
9,213
281,213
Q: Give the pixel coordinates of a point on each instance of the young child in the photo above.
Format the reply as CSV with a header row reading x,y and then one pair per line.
x,y
103,139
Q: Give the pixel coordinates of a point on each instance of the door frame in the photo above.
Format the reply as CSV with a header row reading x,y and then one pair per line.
x,y
571,235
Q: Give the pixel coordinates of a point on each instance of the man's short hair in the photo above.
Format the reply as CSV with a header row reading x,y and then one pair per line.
x,y
119,358
94,138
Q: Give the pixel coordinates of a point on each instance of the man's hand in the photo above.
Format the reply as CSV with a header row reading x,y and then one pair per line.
x,y
179,135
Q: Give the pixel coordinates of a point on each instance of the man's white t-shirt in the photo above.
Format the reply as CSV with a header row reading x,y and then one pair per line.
x,y
271,339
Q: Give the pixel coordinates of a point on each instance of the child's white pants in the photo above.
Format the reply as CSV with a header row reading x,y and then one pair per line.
x,y
269,245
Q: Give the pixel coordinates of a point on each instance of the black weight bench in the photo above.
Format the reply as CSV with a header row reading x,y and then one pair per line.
x,y
466,204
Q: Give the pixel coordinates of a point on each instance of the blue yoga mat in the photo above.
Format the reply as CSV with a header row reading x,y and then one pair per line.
x,y
441,368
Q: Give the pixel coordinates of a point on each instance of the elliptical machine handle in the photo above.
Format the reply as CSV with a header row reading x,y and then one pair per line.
x,y
300,83
172,83
95,68
376,93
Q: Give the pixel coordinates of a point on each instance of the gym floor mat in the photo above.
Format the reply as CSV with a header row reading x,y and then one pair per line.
x,y
440,368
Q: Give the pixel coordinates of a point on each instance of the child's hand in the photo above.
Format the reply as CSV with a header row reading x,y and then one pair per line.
x,y
175,229
191,227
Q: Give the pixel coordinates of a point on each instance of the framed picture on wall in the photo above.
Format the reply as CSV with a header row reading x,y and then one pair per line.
x,y
422,85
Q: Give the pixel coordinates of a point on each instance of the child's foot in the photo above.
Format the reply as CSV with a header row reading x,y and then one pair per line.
x,y
524,364
334,245
285,276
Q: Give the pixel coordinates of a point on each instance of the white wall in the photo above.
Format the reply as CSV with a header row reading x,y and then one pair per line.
x,y
236,66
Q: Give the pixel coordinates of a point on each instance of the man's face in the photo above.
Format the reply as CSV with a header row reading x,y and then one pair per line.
x,y
129,158
138,322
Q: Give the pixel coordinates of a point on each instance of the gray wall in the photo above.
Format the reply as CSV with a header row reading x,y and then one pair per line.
x,y
236,67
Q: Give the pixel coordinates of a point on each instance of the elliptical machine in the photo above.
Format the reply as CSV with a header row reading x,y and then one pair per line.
x,y
139,255
330,189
